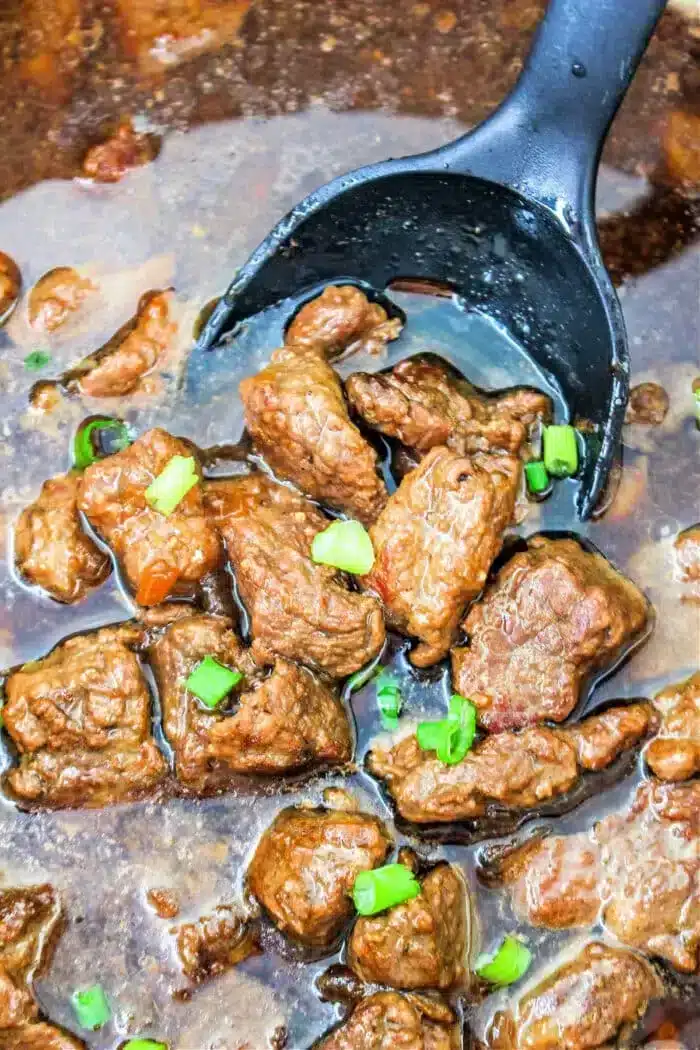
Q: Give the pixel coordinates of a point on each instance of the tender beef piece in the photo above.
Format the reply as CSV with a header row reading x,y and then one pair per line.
x,y
10,285
422,403
296,413
419,944
516,770
161,556
51,548
216,942
165,903
648,403
640,869
109,161
387,1021
39,1037
298,610
342,318
287,721
117,367
555,615
434,543
80,719
687,549
675,753
583,1005
29,923
305,865
56,296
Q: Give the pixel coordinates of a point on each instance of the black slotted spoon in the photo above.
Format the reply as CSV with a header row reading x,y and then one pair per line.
x,y
514,197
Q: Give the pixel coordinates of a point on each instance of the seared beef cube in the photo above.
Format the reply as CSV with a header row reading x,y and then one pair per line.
x,y
583,1005
687,548
675,753
419,944
516,770
648,404
423,404
434,543
298,610
305,865
342,319
29,923
216,942
10,285
161,555
80,719
555,615
287,721
39,1037
296,413
387,1021
51,547
640,869
109,161
117,367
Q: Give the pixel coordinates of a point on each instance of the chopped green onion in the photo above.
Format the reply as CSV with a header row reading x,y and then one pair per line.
x,y
172,484
362,677
452,737
144,1044
388,700
507,965
86,449
383,888
211,681
560,447
345,545
536,476
91,1007
37,360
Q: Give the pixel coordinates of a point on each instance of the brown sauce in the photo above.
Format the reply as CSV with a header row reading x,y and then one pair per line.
x,y
339,85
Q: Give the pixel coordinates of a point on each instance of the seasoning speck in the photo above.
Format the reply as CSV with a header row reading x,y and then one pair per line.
x,y
37,360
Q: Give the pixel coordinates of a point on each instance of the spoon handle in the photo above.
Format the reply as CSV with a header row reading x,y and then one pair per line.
x,y
545,139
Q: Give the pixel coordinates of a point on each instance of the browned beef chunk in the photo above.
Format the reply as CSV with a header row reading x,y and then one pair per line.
x,y
648,404
419,944
51,548
555,615
80,719
287,721
116,368
639,868
29,922
687,548
216,942
423,404
39,1037
305,865
10,285
387,1021
56,297
109,161
298,610
296,413
435,541
342,319
675,753
583,1005
516,770
160,555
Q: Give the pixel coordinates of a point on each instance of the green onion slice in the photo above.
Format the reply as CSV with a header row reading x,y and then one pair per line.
x,y
37,360
452,737
429,734
144,1044
536,476
172,484
88,444
389,699
211,681
344,545
560,450
383,888
507,965
362,677
92,1010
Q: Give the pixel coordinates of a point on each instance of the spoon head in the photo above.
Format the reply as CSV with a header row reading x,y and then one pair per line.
x,y
505,256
